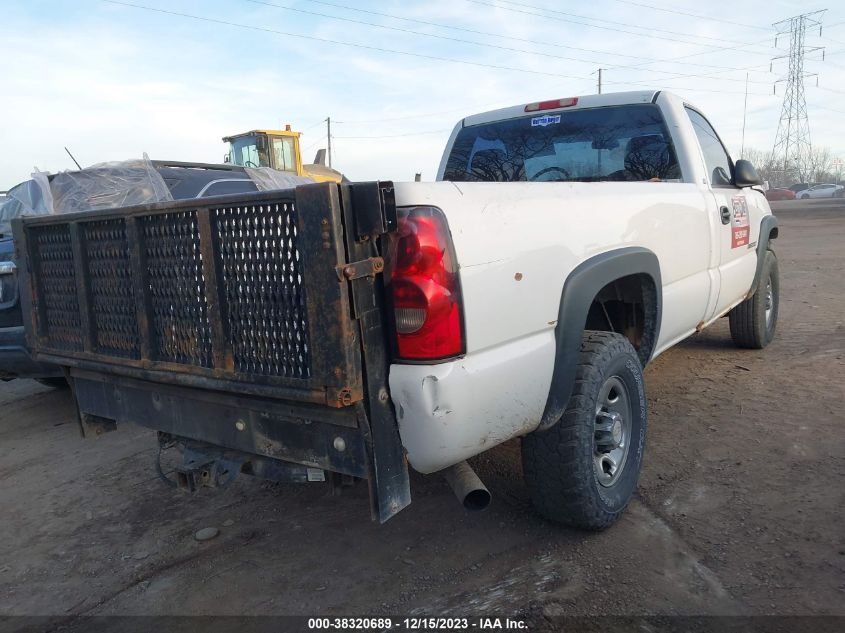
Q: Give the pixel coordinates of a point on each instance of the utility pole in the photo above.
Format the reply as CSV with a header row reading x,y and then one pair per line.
x,y
744,113
792,149
329,135
600,69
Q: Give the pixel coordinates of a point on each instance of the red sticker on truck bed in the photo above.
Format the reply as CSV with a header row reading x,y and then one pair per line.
x,y
739,222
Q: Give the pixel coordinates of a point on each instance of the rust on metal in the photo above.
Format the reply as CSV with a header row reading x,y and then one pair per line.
x,y
221,350
369,267
140,290
83,296
230,295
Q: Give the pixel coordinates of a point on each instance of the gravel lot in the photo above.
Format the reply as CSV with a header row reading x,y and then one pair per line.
x,y
739,509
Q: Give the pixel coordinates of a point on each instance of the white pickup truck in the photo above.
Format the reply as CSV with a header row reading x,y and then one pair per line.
x,y
351,330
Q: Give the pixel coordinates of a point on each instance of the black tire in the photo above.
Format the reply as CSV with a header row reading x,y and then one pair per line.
x,y
751,328
561,464
55,383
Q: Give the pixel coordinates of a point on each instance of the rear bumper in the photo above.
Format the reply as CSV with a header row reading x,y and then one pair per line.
x,y
451,411
339,440
310,435
15,360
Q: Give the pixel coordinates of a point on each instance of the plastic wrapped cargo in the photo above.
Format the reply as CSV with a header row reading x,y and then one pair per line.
x,y
101,186
267,179
27,198
108,185
128,183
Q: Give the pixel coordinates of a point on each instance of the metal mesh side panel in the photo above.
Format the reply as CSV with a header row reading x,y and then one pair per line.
x,y
57,282
180,327
110,279
262,281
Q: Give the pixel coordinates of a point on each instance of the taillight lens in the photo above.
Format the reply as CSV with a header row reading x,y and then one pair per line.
x,y
425,287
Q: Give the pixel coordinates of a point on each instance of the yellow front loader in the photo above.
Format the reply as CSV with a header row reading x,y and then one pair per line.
x,y
277,149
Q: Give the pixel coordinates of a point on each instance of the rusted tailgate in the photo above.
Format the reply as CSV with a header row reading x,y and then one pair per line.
x,y
239,293
261,307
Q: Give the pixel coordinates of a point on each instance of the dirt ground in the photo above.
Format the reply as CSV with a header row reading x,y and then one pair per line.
x,y
739,508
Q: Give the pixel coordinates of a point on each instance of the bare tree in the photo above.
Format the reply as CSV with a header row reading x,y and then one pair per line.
x,y
766,166
821,164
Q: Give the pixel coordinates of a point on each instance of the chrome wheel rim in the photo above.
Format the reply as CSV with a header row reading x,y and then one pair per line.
x,y
612,433
770,304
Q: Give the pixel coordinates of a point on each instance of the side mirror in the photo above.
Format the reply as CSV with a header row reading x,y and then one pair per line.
x,y
745,175
260,142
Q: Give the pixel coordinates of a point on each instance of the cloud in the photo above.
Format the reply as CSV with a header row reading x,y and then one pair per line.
x,y
111,82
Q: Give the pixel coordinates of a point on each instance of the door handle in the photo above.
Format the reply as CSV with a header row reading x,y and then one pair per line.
x,y
726,215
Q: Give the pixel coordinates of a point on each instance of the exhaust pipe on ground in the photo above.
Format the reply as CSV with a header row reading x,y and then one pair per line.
x,y
467,487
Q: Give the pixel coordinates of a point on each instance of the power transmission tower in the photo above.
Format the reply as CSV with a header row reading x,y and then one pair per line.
x,y
792,149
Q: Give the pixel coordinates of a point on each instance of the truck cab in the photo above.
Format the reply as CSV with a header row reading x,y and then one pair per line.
x,y
277,149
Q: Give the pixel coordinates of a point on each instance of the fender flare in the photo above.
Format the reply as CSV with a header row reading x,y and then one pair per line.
x,y
768,225
580,288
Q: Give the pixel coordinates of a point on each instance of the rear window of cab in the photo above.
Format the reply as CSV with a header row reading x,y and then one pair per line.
x,y
627,143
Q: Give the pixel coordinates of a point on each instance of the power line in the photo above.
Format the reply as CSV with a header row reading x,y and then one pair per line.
x,y
696,89
830,39
818,107
694,75
418,33
395,135
512,38
401,118
607,28
342,43
839,92
693,15
726,48
648,28
362,46
317,142
542,54
313,125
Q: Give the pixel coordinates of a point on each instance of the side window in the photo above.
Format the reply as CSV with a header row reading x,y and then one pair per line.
x,y
283,151
224,187
715,157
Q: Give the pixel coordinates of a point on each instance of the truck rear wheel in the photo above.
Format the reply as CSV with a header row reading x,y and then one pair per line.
x,y
753,321
584,469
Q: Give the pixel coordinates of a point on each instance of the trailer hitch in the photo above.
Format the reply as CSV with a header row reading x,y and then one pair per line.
x,y
200,465
210,466
199,468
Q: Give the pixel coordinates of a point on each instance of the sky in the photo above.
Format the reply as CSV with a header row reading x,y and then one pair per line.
x,y
170,78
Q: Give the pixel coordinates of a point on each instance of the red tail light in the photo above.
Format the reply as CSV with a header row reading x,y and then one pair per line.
x,y
425,288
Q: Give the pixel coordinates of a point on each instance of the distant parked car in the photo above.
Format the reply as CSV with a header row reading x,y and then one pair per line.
x,y
779,193
821,191
800,186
